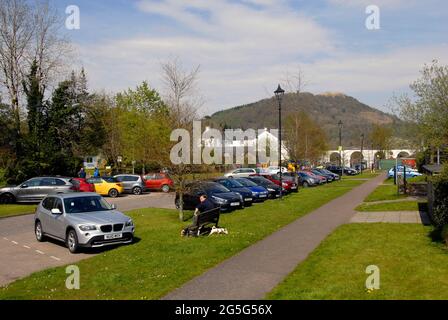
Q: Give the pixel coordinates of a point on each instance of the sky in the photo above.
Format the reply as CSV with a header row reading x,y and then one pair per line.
x,y
246,47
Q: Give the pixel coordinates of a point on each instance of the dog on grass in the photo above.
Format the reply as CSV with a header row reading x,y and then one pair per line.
x,y
218,231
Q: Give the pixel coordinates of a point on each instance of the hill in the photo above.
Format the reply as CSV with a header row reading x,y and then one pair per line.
x,y
326,109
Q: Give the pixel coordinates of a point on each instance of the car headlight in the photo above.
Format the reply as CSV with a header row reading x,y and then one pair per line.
x,y
129,223
254,194
219,200
270,189
87,228
241,197
284,184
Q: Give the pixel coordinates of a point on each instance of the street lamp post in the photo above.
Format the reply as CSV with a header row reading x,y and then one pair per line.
x,y
279,95
362,149
340,148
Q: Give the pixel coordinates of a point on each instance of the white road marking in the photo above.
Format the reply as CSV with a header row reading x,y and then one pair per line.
x,y
55,258
38,251
26,247
14,242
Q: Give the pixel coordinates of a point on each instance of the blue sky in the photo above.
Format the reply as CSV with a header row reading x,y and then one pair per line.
x,y
246,47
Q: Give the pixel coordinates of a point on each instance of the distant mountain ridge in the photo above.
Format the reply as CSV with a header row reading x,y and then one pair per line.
x,y
326,109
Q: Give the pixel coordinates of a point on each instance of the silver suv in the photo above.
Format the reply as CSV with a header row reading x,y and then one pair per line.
x,y
35,189
132,183
82,220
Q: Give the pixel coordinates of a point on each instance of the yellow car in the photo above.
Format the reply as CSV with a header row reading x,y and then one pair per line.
x,y
107,186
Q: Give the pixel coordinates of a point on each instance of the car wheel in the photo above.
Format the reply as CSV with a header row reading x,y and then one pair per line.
x,y
137,191
7,198
166,188
38,232
72,241
305,184
113,193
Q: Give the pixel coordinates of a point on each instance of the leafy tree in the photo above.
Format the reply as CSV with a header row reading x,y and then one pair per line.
x,y
381,137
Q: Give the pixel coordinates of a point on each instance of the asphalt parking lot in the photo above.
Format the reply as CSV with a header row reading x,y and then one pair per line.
x,y
21,254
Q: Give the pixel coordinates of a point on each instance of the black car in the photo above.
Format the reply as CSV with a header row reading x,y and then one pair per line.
x,y
325,171
273,189
338,170
218,194
235,186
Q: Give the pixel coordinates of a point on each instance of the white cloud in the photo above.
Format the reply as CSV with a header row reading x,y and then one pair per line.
x,y
244,51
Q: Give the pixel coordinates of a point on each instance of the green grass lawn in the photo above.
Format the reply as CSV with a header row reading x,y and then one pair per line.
x,y
392,206
411,265
384,192
162,260
364,175
10,210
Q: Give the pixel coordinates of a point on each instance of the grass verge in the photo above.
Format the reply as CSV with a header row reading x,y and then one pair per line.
x,y
411,265
384,192
10,210
161,260
392,206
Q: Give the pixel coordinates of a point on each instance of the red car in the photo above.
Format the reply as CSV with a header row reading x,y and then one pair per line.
x,y
158,181
81,185
288,185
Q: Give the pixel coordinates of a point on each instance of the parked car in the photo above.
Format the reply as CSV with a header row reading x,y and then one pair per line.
x,y
35,189
338,170
159,181
276,170
132,183
218,194
241,173
410,173
273,189
336,177
322,179
288,185
107,186
327,176
259,193
237,187
81,185
307,180
81,220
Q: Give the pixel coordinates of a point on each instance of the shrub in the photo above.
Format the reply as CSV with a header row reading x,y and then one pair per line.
x,y
440,206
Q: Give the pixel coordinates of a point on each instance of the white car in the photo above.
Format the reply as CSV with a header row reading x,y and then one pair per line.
x,y
275,170
241,173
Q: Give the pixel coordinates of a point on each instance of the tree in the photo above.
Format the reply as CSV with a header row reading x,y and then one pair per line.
x,y
304,139
381,138
427,110
28,35
183,103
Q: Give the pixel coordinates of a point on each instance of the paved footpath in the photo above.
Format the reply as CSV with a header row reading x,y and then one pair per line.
x,y
255,271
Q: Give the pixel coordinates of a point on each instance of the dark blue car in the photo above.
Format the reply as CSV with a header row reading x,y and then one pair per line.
x,y
259,193
237,187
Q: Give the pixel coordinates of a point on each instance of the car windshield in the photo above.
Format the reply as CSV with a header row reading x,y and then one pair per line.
x,y
110,179
86,204
275,176
215,188
233,183
247,183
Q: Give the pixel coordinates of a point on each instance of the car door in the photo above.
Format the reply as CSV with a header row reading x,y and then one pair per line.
x,y
150,181
56,221
46,217
29,190
124,182
47,186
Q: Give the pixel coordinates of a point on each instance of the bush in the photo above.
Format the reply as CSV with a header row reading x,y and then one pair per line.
x,y
440,207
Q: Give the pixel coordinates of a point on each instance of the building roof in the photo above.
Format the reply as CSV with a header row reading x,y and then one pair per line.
x,y
433,168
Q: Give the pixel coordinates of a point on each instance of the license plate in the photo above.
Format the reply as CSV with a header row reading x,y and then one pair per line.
x,y
248,199
294,188
263,196
235,204
113,236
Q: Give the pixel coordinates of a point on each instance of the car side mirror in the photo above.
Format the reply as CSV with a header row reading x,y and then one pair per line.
x,y
113,206
24,186
56,211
